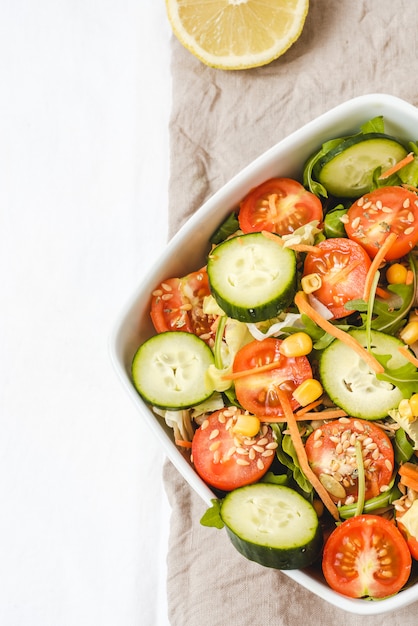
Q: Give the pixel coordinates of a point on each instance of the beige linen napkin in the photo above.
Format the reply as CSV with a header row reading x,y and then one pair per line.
x,y
220,122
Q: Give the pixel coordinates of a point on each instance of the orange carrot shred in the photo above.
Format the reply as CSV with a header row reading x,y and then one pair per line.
x,y
409,277
382,293
408,355
301,454
297,247
380,255
183,444
398,166
308,407
327,414
303,305
409,475
254,370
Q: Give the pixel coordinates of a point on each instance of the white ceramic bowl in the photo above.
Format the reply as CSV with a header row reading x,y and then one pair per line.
x,y
187,250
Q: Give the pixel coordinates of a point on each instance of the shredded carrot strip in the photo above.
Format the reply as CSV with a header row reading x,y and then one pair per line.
x,y
308,407
297,247
183,444
409,475
398,166
301,454
408,355
382,293
303,305
383,250
254,370
409,482
279,419
409,277
327,414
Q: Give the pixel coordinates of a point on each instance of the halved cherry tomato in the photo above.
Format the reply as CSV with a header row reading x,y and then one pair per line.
x,y
331,454
342,265
366,556
226,459
279,205
382,211
177,304
256,392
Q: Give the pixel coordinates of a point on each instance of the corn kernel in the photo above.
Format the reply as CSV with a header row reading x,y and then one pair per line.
x,y
246,425
413,316
298,344
413,403
311,282
405,410
308,391
409,334
396,274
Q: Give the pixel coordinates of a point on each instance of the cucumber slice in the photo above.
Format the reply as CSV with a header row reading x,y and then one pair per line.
x,y
251,277
347,170
169,370
272,525
349,382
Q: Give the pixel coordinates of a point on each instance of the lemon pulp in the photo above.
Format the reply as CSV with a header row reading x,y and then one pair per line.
x,y
237,34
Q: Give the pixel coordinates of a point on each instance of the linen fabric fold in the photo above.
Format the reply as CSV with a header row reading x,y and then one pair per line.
x,y
220,122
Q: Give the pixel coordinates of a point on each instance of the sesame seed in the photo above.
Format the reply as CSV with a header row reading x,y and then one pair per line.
x,y
251,454
355,223
242,462
157,293
258,448
272,445
166,287
317,433
216,456
410,216
260,464
242,451
317,443
408,231
221,418
379,204
214,433
205,424
262,442
214,446
386,209
406,203
167,296
388,465
359,425
267,453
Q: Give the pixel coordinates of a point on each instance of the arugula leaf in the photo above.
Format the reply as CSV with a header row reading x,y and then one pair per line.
x,y
404,377
375,125
386,317
287,456
212,517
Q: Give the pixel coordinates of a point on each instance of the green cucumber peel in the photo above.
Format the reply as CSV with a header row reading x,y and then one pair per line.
x,y
361,479
382,500
402,446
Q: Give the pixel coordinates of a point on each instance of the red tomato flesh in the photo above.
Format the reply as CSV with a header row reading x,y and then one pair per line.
x,y
177,304
366,556
225,459
342,265
257,392
279,205
382,211
331,454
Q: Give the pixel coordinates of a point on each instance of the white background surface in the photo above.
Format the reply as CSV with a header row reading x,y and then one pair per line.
x,y
84,107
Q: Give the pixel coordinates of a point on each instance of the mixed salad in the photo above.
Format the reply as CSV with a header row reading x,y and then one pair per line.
x,y
287,367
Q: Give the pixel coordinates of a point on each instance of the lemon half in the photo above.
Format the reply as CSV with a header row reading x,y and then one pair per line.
x,y
237,34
